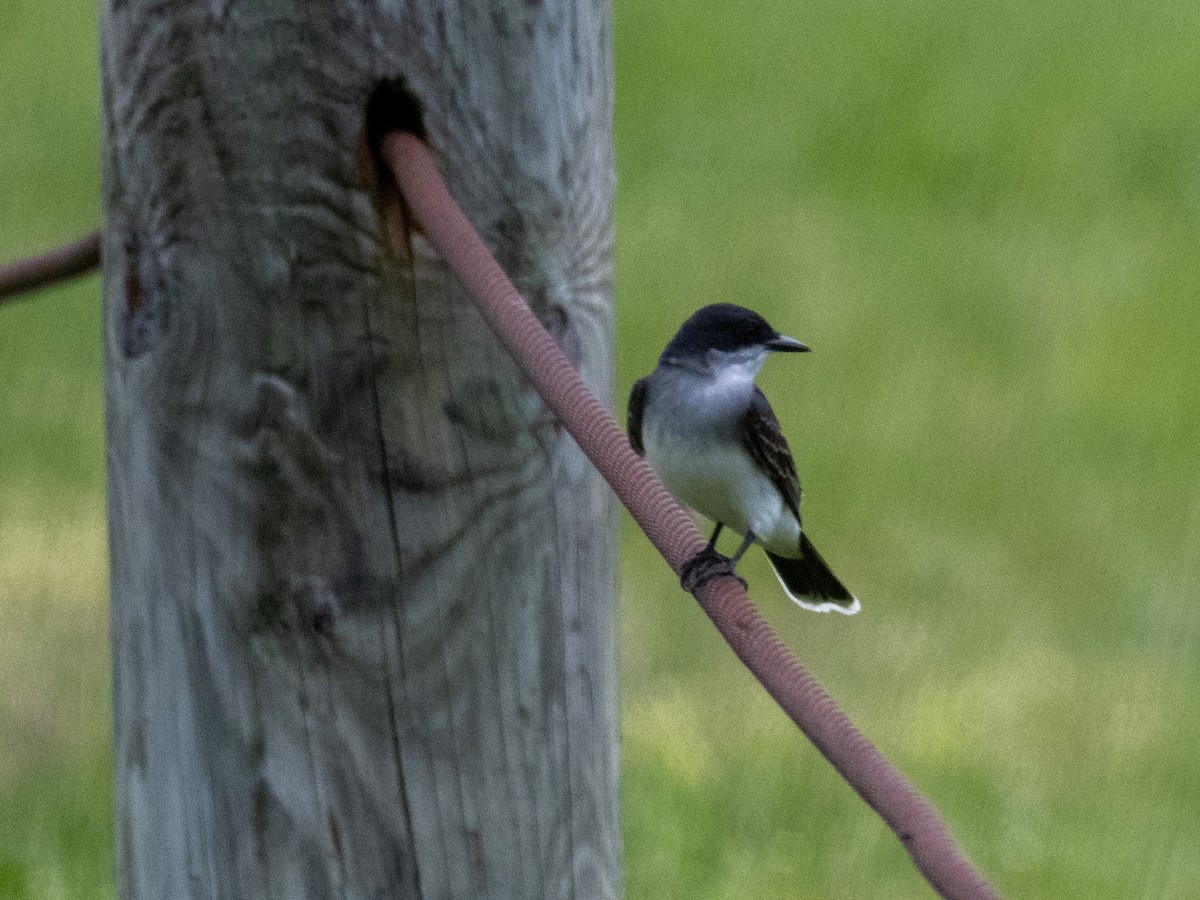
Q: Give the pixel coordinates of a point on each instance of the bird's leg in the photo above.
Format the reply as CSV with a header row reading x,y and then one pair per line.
x,y
712,542
709,564
746,542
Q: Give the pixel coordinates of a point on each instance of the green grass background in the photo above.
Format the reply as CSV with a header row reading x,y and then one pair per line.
x,y
985,217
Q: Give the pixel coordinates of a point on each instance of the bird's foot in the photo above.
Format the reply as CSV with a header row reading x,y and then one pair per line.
x,y
704,567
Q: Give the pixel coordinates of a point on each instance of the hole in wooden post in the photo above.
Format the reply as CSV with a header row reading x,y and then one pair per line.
x,y
391,107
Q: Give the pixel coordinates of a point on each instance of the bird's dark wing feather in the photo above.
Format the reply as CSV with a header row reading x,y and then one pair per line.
x,y
637,405
763,439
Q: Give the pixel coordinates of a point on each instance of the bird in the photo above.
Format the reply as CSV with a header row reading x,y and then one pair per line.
x,y
709,433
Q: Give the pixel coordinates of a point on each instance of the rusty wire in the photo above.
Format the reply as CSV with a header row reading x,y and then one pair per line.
x,y
912,817
55,265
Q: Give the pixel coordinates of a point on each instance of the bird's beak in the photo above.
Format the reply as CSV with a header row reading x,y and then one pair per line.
x,y
787,344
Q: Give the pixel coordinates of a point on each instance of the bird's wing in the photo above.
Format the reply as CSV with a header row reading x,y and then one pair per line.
x,y
637,405
763,439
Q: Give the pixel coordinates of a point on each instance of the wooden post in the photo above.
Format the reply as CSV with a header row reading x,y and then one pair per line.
x,y
363,592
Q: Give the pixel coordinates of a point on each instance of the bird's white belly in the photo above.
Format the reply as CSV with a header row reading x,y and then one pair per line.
x,y
723,484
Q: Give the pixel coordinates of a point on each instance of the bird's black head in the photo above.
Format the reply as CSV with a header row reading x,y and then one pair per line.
x,y
726,328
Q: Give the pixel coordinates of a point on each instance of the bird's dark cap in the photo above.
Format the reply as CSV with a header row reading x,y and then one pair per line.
x,y
726,327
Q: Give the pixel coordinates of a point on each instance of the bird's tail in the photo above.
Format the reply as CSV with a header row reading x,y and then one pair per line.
x,y
809,582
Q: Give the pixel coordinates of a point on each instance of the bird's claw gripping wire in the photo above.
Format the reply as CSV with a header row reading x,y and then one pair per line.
x,y
704,567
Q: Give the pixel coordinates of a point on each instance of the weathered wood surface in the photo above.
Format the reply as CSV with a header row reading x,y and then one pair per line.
x,y
362,586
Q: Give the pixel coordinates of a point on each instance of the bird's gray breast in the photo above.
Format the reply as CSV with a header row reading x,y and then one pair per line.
x,y
691,435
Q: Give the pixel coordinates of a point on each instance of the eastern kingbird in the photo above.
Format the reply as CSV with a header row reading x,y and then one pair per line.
x,y
709,433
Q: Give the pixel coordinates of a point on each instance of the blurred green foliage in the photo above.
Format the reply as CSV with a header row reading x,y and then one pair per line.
x,y
985,218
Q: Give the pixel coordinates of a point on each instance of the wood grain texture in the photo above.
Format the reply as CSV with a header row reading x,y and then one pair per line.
x,y
363,590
